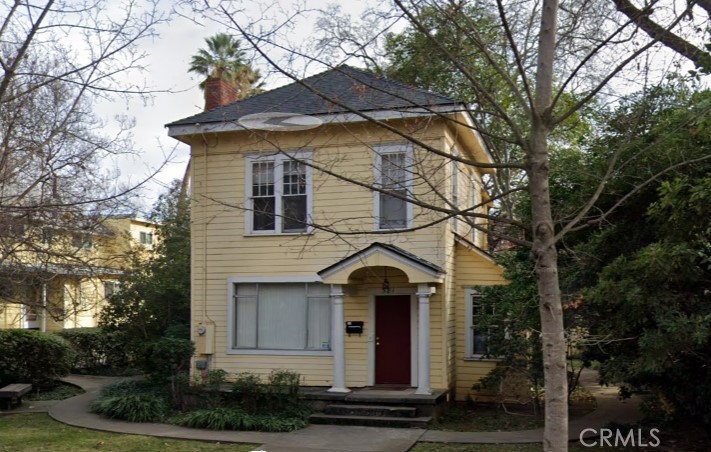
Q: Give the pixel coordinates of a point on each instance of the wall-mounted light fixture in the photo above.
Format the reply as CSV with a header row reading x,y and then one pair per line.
x,y
386,282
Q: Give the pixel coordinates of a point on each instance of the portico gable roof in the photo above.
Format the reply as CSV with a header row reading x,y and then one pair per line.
x,y
378,254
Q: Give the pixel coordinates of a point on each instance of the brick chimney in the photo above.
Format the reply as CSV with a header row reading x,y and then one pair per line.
x,y
218,92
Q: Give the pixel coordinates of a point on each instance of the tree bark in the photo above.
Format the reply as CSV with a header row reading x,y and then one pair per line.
x,y
555,434
678,44
555,437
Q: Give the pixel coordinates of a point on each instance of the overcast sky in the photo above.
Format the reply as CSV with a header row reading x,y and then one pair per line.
x,y
167,65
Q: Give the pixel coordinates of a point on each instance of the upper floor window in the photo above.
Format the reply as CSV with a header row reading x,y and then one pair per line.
x,y
82,241
146,238
47,236
279,193
393,169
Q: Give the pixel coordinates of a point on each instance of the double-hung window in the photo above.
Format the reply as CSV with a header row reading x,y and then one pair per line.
x,y
393,174
278,193
146,238
281,316
477,337
110,288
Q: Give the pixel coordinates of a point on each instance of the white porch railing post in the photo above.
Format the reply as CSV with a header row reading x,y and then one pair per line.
x,y
423,343
338,340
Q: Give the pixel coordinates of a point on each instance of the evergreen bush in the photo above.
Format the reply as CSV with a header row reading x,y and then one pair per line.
x,y
98,352
166,358
34,357
134,401
132,407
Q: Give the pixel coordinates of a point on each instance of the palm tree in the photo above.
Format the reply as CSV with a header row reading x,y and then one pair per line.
x,y
223,59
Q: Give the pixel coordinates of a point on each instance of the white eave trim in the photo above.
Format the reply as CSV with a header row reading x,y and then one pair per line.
x,y
380,115
477,136
471,247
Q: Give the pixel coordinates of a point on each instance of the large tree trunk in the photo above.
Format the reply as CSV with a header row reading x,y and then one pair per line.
x,y
555,437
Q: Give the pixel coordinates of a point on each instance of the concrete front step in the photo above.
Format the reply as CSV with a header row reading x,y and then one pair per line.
x,y
370,421
371,410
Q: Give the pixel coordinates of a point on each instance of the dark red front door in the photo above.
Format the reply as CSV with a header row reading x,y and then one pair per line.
x,y
392,340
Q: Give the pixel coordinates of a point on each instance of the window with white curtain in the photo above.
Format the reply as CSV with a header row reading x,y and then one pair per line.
x,y
282,316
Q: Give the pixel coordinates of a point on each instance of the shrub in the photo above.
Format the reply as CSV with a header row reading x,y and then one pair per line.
x,y
128,387
167,357
237,419
33,357
279,395
132,407
132,400
217,419
98,352
178,331
282,391
278,424
248,391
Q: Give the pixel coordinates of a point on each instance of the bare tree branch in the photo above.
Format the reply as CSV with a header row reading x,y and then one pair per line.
x,y
664,35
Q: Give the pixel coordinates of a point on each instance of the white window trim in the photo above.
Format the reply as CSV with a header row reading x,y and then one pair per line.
x,y
476,199
454,165
377,173
468,337
145,238
231,311
277,158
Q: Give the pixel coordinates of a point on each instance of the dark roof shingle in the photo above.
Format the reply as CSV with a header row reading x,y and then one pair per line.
x,y
356,88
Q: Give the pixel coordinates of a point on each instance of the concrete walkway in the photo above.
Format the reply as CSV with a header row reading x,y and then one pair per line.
x,y
76,411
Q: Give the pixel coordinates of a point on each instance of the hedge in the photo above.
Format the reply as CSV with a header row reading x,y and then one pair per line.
x,y
34,357
98,352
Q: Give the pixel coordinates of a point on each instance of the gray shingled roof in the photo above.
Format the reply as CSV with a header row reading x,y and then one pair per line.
x,y
356,88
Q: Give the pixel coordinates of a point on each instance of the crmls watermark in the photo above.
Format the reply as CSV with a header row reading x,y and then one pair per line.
x,y
591,437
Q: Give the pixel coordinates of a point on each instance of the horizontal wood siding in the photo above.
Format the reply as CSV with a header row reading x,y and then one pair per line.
x,y
222,250
472,270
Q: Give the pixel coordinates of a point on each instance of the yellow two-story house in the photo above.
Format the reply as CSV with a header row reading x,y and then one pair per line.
x,y
331,235
59,277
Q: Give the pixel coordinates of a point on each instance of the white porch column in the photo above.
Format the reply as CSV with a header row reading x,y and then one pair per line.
x,y
338,340
423,342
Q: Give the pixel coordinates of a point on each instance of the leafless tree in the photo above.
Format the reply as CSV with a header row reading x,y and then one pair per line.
x,y
553,59
57,181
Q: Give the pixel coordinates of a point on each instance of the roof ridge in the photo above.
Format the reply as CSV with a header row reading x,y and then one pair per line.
x,y
322,93
401,83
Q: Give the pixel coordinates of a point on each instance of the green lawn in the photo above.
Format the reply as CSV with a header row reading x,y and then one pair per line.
x,y
38,432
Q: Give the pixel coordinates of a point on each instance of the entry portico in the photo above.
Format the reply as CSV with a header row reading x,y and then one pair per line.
x,y
425,275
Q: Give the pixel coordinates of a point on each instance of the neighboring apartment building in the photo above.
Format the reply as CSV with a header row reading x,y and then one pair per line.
x,y
61,279
387,301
